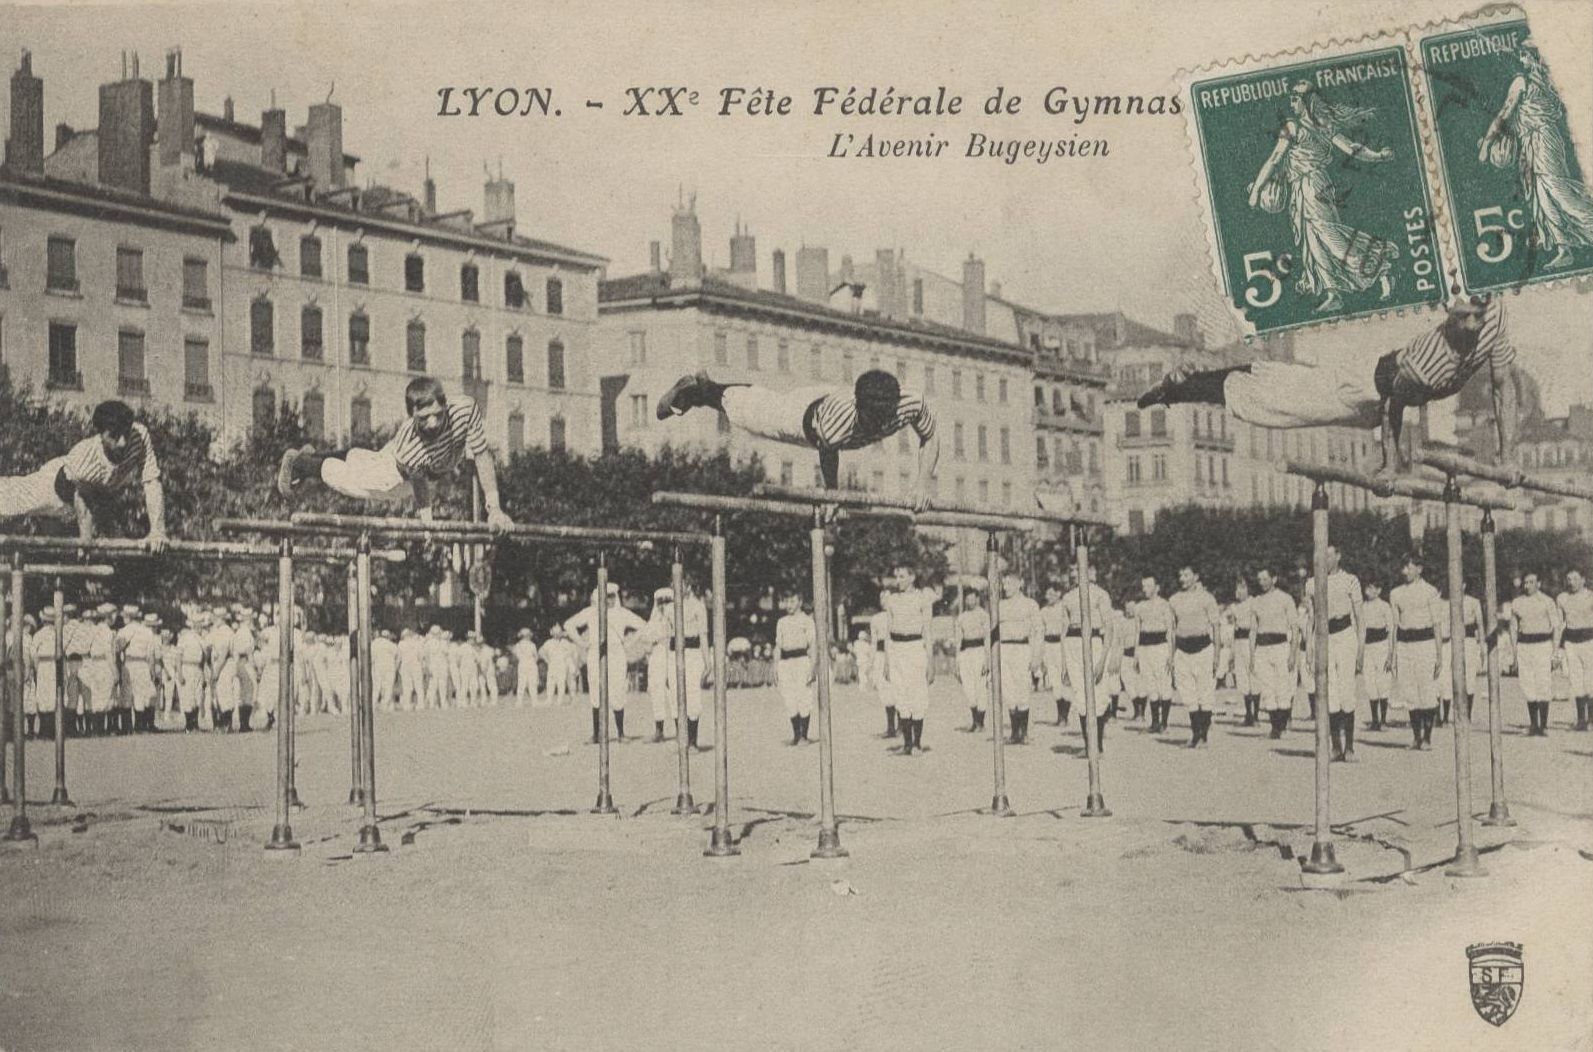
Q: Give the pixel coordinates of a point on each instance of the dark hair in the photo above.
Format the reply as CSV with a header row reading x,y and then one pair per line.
x,y
113,417
423,391
878,391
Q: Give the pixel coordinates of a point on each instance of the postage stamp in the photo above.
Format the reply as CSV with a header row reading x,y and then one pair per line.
x,y
1315,186
1519,207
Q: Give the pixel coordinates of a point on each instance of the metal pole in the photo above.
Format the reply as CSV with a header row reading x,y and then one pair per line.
x,y
721,845
1467,863
1498,808
999,805
356,791
364,698
1095,803
605,800
15,731
477,551
1323,860
829,830
60,796
282,832
19,830
684,804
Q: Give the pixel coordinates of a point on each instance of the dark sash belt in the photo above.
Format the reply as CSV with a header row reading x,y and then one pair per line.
x,y
1271,639
1338,624
1413,635
1152,639
969,644
1376,635
1193,644
1053,639
787,655
1075,633
1240,633
1535,637
906,637
1578,635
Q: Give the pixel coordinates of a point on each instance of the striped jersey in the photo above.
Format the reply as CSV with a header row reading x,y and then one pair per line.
x,y
88,466
1437,364
834,424
442,455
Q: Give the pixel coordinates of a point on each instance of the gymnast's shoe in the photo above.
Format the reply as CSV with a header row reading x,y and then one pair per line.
x,y
687,393
293,469
1161,391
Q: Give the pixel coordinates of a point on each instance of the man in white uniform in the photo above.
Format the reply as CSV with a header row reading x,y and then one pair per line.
x,y
98,675
973,657
1417,610
794,635
557,652
384,669
1535,629
140,649
439,669
879,670
524,652
910,655
1378,663
1153,652
1102,642
1576,644
1019,634
1273,650
192,657
1053,621
1237,618
1196,621
1346,650
582,627
1471,653
411,654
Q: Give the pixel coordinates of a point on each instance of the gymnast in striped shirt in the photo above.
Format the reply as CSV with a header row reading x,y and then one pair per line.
x,y
118,455
431,444
826,419
1354,390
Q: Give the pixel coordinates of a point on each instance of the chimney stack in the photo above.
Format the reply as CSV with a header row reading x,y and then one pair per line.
x,y
325,132
813,274
655,256
886,294
973,294
779,271
227,110
176,128
127,131
498,203
685,253
274,139
1187,329
429,191
25,147
743,258
63,134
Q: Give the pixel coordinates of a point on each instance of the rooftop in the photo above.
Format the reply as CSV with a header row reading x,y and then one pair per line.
x,y
108,202
250,133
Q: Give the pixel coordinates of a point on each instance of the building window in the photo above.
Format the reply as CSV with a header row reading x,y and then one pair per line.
x,y
1006,494
1095,459
196,370
262,249
556,366
555,292
782,356
787,473
60,265
960,491
721,349
514,436
310,345
1158,423
359,417
470,355
1133,471
415,347
130,275
638,347
638,411
470,283
414,272
514,359
1006,445
1225,473
309,256
262,327
196,284
130,376
816,362
359,338
984,443
846,366
752,353
956,383
984,491
929,379
1136,521
918,295
979,387
313,412
956,441
359,265
1042,455
876,482
1131,424
1159,467
556,434
1001,391
265,408
513,291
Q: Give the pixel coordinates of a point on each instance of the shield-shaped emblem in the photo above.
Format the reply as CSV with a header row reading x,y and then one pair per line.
x,y
481,579
1496,979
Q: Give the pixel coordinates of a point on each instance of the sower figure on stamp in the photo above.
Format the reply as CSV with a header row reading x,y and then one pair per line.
x,y
1417,610
429,445
1346,650
1196,621
910,655
794,635
1535,630
1271,652
1154,652
1378,664
829,420
972,629
118,454
1355,391
1576,644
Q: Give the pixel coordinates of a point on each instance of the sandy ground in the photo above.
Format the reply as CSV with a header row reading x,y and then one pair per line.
x,y
505,916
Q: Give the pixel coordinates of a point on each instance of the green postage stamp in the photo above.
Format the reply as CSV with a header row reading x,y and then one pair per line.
x,y
1518,203
1386,174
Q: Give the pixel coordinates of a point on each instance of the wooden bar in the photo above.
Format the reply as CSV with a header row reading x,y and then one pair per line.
x,y
804,510
1506,475
68,570
1393,486
474,532
879,502
221,550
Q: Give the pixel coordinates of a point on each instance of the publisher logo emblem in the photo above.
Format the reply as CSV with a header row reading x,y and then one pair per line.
x,y
1497,976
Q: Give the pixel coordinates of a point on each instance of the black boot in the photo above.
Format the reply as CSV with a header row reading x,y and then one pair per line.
x,y
1139,709
1249,720
1349,737
619,724
191,723
1276,719
1543,719
1429,720
597,725
973,719
1016,723
1582,706
804,722
244,713
1100,734
1416,729
1443,712
796,730
908,741
658,731
1063,708
691,734
890,721
1194,728
918,733
1336,734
